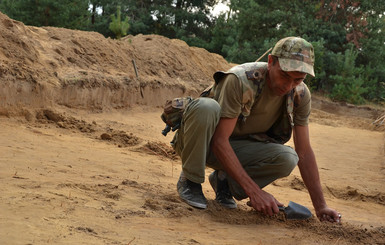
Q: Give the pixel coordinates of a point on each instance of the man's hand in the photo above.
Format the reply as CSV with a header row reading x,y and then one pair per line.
x,y
310,175
328,214
264,202
259,199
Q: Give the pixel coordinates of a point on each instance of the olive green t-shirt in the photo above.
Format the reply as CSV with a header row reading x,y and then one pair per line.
x,y
265,111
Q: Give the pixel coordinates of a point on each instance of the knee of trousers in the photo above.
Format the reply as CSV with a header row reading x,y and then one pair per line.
x,y
288,160
205,109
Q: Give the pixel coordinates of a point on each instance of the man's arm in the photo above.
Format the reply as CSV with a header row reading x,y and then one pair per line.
x,y
309,171
220,145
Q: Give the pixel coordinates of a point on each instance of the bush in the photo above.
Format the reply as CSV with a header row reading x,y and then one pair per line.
x,y
349,83
118,26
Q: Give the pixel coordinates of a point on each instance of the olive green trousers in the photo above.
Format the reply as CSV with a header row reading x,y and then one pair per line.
x,y
263,162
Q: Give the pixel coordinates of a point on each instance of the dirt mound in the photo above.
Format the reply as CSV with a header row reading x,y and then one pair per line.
x,y
160,149
338,114
350,193
49,66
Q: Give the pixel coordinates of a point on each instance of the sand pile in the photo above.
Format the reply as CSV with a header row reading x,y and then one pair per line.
x,y
48,66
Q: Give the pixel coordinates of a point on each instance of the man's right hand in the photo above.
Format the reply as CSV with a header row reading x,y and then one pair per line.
x,y
264,202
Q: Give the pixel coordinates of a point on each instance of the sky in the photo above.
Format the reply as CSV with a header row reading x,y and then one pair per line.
x,y
220,7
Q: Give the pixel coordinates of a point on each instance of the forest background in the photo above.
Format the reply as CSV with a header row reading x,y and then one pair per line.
x,y
348,35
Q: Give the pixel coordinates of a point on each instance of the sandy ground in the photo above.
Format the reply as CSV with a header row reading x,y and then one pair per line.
x,y
66,185
83,161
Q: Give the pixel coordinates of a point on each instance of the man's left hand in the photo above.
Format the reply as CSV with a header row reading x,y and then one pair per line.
x,y
328,214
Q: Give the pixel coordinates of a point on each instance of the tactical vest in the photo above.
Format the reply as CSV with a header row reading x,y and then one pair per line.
x,y
252,78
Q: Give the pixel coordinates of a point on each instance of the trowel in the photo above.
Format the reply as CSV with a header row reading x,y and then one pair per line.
x,y
295,211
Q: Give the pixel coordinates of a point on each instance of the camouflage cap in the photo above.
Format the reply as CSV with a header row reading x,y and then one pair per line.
x,y
295,54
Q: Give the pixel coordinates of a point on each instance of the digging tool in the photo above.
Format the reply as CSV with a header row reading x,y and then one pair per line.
x,y
295,211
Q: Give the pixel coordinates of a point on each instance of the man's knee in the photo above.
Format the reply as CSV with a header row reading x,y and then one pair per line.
x,y
288,160
208,106
203,109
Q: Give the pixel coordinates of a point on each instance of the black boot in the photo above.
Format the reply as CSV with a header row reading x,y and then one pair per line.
x,y
222,191
191,193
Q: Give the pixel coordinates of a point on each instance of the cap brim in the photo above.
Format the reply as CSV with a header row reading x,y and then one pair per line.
x,y
296,65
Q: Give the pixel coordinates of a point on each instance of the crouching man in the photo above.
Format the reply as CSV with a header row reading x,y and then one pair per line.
x,y
239,127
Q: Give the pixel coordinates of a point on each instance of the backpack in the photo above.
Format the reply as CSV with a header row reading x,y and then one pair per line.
x,y
173,112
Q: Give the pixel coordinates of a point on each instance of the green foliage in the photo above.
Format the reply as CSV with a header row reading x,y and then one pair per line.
x,y
372,54
118,26
101,11
71,14
190,21
349,82
320,52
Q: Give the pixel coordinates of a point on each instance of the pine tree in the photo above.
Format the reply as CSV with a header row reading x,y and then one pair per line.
x,y
118,26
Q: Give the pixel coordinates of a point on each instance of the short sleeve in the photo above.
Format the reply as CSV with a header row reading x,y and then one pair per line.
x,y
229,96
302,111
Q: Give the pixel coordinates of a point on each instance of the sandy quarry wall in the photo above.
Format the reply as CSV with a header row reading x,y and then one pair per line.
x,y
47,66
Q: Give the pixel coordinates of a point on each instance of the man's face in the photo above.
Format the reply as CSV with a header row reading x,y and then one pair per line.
x,y
282,82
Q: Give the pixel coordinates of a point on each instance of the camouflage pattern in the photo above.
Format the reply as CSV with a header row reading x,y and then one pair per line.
x,y
295,54
252,79
173,111
181,103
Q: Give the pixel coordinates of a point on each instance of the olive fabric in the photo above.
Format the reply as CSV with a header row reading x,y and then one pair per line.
x,y
242,93
264,162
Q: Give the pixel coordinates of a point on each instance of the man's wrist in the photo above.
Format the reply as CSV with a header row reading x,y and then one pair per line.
x,y
252,189
319,206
